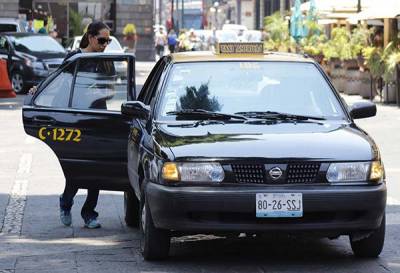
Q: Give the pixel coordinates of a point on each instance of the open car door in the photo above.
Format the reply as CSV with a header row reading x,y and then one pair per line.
x,y
76,111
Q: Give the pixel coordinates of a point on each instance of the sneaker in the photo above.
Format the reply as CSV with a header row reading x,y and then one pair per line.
x,y
65,217
92,224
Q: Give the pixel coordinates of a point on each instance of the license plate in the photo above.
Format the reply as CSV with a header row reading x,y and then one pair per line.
x,y
279,205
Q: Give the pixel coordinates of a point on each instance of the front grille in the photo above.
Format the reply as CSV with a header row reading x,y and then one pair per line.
x,y
249,173
293,173
302,173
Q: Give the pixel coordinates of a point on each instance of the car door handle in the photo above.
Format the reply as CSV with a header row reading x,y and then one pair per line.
x,y
44,119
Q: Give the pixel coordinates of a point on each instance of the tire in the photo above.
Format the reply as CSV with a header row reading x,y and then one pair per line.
x,y
155,243
371,246
132,209
18,82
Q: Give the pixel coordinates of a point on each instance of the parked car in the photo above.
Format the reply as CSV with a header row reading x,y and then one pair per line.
x,y
113,47
254,36
30,58
225,36
11,25
235,27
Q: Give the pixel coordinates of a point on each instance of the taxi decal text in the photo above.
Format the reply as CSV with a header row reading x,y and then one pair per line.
x,y
60,134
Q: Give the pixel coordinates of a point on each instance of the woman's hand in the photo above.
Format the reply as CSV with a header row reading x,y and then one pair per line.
x,y
33,90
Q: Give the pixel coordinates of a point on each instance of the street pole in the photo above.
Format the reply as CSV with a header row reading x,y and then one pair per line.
x,y
359,6
172,15
282,7
68,19
159,11
182,14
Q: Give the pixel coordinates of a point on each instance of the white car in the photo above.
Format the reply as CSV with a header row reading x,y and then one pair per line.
x,y
113,47
224,36
235,27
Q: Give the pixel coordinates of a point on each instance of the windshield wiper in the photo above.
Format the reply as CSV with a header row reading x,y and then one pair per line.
x,y
204,114
277,115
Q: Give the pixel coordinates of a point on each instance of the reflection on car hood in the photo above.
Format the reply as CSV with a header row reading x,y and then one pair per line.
x,y
45,55
319,141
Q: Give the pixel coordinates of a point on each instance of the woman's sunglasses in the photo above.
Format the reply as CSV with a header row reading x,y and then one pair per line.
x,y
102,40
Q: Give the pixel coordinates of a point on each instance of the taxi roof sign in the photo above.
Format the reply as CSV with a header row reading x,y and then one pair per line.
x,y
240,48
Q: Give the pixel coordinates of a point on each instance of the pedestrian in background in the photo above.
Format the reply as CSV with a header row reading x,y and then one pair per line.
x,y
172,41
43,29
29,27
160,42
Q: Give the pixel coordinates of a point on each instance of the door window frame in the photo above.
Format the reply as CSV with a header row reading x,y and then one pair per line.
x,y
131,90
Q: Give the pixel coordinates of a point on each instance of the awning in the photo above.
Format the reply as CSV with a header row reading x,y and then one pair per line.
x,y
380,10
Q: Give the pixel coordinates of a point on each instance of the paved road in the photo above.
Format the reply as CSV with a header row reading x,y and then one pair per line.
x,y
33,240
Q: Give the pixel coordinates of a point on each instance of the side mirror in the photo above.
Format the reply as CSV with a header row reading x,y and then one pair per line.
x,y
363,110
135,109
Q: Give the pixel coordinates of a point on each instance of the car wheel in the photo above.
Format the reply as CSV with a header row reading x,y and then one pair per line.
x,y
131,208
18,83
155,242
371,246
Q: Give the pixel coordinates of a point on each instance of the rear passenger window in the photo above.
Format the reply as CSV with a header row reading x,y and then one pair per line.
x,y
56,94
100,84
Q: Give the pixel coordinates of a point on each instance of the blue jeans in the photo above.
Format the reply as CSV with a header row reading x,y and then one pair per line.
x,y
67,200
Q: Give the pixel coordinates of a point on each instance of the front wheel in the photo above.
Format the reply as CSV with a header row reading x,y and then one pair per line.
x,y
155,243
18,82
371,246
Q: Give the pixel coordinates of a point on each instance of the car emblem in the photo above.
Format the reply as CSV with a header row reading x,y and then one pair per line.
x,y
275,173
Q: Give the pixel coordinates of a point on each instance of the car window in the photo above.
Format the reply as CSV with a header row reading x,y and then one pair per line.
x,y
100,84
294,88
56,94
8,28
144,92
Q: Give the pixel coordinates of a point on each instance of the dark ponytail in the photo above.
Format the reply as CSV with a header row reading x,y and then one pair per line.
x,y
93,29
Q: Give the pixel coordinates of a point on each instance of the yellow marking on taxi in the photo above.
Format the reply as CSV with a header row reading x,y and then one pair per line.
x,y
60,134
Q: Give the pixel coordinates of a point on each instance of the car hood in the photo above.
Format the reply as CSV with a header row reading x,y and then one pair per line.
x,y
327,141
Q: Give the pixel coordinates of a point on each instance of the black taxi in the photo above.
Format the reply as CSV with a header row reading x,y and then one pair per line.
x,y
238,141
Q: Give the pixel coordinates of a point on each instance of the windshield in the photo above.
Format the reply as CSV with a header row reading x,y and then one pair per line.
x,y
232,87
226,36
37,44
113,46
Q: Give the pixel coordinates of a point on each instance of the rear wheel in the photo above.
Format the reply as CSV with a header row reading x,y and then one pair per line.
x,y
371,246
131,208
155,243
18,82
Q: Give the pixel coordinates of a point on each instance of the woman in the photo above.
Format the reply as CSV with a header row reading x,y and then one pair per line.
x,y
96,39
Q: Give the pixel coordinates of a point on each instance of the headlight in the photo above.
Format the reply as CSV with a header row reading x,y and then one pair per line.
x,y
354,172
34,64
193,172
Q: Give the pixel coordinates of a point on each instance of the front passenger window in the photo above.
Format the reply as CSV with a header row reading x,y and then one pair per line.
x,y
56,94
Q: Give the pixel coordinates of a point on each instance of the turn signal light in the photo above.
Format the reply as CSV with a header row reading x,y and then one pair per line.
x,y
170,171
376,171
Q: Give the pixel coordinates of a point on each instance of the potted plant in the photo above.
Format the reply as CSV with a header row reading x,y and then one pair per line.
x,y
376,66
392,59
278,34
